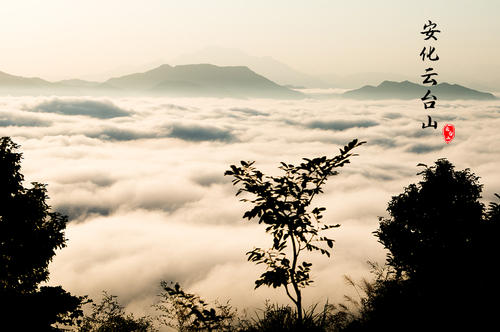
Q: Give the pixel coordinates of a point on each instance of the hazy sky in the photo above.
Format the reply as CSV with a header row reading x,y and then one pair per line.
x,y
58,39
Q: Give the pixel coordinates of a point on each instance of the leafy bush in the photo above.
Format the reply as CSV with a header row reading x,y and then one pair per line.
x,y
109,316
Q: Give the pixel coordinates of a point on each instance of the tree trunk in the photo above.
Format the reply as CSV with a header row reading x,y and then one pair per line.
x,y
299,308
294,283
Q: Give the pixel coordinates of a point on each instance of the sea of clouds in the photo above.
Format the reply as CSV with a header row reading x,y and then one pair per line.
x,y
142,181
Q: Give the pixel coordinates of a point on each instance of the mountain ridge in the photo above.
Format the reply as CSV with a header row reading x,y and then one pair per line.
x,y
409,90
182,80
208,80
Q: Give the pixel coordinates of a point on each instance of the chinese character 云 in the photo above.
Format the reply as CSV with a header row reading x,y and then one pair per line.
x,y
428,79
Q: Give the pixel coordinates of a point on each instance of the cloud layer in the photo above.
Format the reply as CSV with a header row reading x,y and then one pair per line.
x,y
142,181
92,108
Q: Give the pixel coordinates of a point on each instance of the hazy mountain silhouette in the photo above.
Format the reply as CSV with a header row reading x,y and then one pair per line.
x,y
203,80
356,80
17,85
198,80
207,80
24,82
409,90
267,66
280,72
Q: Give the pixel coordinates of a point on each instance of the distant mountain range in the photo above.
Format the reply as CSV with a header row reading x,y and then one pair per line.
x,y
17,85
280,72
207,80
409,90
196,80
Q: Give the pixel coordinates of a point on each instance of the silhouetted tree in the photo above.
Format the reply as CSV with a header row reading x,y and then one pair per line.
x,y
109,316
29,235
432,224
282,203
442,257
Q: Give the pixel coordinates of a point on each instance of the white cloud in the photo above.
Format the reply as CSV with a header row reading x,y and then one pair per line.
x,y
149,204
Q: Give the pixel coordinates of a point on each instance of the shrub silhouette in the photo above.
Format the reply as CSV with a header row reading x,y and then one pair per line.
x,y
279,318
282,203
188,312
29,235
109,316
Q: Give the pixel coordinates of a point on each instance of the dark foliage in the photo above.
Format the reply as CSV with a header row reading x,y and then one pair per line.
x,y
433,224
282,204
29,235
278,318
441,261
188,312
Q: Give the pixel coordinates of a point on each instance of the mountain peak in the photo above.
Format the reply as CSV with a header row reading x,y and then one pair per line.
x,y
164,66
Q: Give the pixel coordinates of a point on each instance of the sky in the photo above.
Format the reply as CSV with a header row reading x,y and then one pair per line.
x,y
60,39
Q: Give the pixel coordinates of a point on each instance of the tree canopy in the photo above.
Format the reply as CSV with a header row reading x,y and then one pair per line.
x,y
433,224
29,235
440,272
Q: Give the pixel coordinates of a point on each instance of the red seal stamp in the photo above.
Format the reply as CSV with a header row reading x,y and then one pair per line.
x,y
448,133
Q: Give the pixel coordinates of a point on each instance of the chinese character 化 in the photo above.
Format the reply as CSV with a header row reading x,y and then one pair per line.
x,y
423,54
